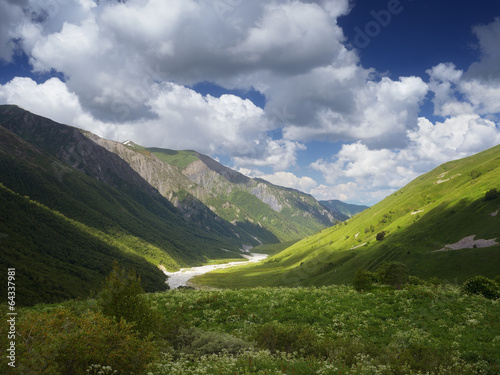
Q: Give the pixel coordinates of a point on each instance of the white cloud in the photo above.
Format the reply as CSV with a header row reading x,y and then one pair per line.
x,y
277,154
128,67
50,99
11,14
286,179
290,180
367,175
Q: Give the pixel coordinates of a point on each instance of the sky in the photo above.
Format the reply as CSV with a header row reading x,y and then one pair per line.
x,y
341,99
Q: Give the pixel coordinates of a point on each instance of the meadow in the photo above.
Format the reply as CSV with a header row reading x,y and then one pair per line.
x,y
418,329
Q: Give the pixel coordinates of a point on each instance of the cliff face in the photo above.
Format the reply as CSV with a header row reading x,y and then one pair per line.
x,y
204,189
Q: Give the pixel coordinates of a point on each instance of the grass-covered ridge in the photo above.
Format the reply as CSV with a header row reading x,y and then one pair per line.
x,y
438,208
420,329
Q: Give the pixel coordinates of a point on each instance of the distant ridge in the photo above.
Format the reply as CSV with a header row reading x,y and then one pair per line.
x,y
346,209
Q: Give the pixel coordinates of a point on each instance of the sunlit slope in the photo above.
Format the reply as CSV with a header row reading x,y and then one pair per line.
x,y
438,208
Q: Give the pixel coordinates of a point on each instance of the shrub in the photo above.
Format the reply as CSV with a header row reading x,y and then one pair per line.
x,y
491,194
380,236
414,280
482,286
363,280
288,338
63,342
199,342
123,298
394,274
475,174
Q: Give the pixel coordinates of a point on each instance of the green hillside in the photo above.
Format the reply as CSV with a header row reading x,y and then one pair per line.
x,y
438,208
63,225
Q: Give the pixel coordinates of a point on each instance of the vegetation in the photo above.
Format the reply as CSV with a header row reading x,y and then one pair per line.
x,y
441,207
62,228
482,286
328,330
122,298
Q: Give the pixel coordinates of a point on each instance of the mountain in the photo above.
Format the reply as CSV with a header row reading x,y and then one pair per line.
x,y
73,202
70,207
445,224
202,188
343,210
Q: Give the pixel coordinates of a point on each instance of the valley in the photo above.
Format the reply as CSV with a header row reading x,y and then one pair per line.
x,y
407,286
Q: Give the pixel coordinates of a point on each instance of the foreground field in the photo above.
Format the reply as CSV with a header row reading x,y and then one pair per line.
x,y
336,330
420,329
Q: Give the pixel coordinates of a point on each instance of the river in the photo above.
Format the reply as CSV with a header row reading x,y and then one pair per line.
x,y
181,278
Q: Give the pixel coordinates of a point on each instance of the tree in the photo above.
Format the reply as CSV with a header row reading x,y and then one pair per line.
x,y
380,236
483,286
363,280
394,274
124,298
491,194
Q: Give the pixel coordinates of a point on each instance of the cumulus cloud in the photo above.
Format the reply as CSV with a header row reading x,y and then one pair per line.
x,y
129,68
286,179
370,174
184,119
11,14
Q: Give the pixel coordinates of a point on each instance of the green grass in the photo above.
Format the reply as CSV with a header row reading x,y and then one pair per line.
x,y
328,330
436,209
180,159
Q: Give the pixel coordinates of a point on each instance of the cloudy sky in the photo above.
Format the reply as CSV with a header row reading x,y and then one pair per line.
x,y
341,99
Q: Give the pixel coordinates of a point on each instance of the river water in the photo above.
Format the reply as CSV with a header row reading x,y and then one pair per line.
x,y
181,278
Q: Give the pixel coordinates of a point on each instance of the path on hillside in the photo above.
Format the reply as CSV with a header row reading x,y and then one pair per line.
x,y
181,278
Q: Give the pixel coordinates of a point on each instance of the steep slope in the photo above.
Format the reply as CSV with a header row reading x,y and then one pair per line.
x,y
343,209
419,225
263,211
70,207
173,185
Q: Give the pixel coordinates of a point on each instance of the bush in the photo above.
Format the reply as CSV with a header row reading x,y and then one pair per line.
x,y
491,194
380,236
199,342
363,280
123,298
394,274
414,280
288,338
482,286
63,342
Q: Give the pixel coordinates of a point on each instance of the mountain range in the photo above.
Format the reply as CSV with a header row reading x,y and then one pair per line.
x,y
73,202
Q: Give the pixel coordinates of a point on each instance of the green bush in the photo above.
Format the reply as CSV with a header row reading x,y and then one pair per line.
x,y
414,280
380,236
394,274
61,341
482,286
491,194
363,280
289,338
199,342
124,298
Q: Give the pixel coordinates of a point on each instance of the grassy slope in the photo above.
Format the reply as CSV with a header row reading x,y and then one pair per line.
x,y
421,217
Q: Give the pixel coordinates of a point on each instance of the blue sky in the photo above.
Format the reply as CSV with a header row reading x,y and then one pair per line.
x,y
341,99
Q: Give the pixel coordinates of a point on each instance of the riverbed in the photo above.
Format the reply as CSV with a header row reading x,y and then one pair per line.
x,y
181,278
